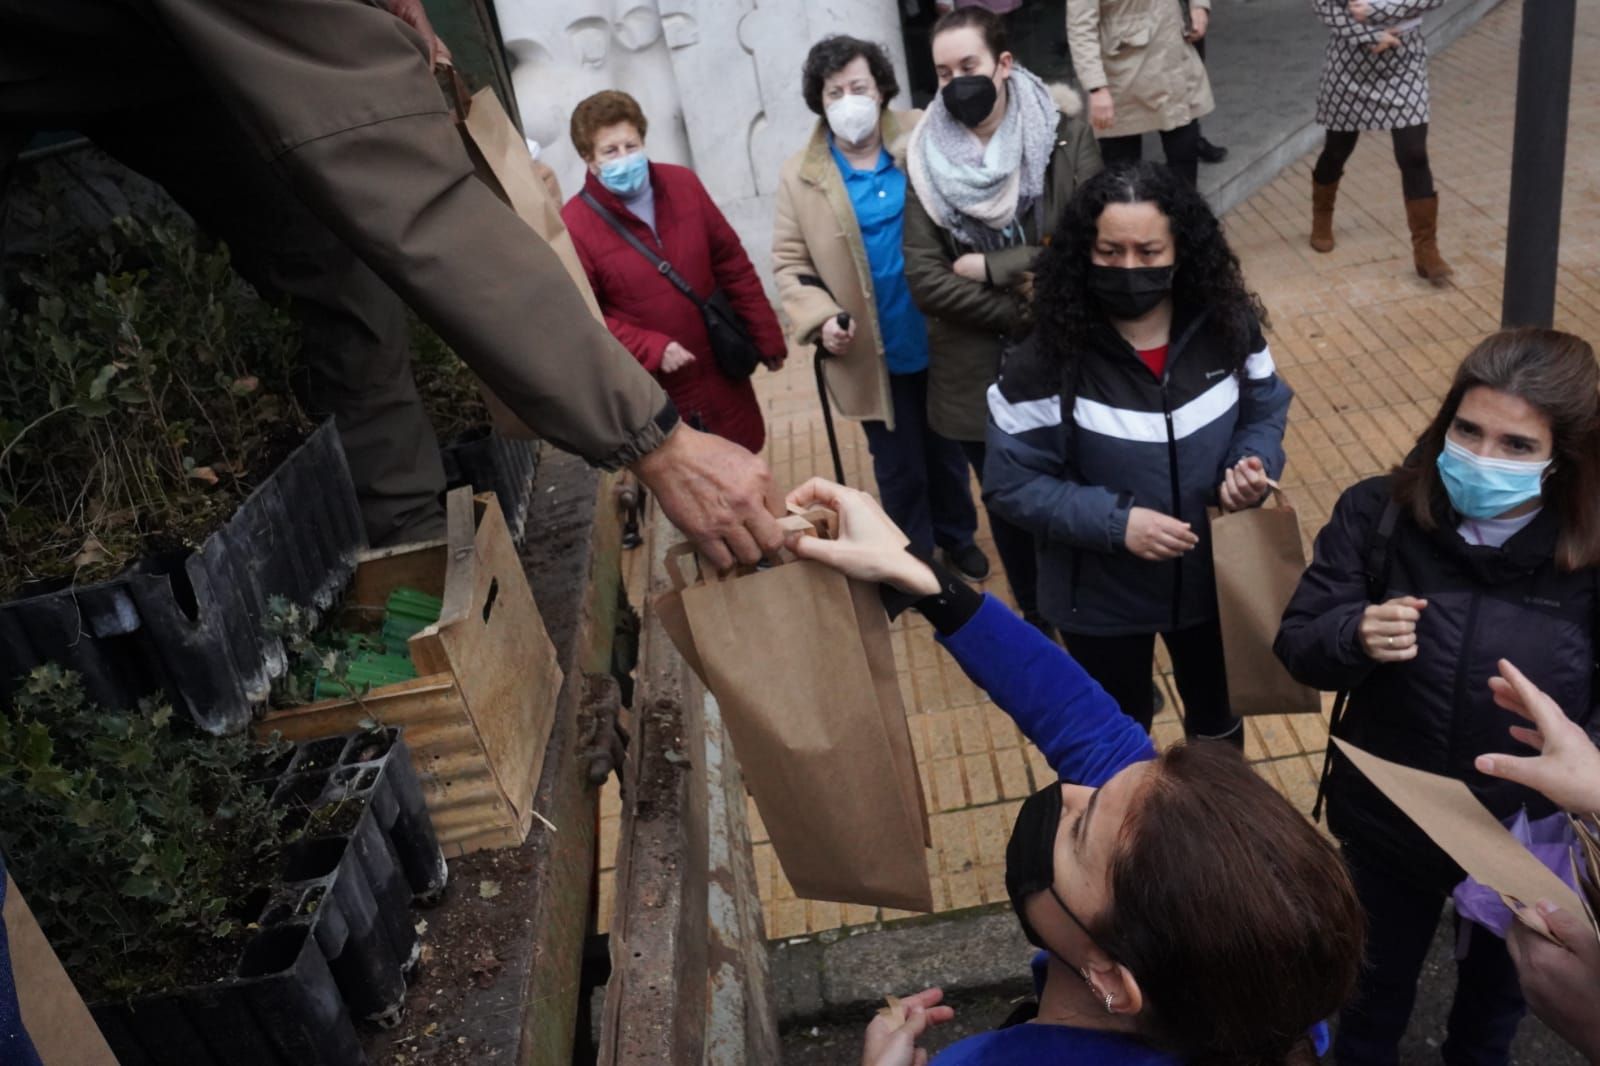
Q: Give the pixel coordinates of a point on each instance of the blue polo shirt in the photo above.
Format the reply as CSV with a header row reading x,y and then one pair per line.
x,y
879,199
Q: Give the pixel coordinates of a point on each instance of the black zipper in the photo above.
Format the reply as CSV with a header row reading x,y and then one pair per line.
x,y
1459,698
1172,472
1072,595
1174,345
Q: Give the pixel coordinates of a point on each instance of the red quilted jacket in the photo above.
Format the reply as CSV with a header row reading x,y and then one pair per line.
x,y
645,312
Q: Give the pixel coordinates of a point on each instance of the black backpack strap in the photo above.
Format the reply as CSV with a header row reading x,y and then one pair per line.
x,y
1376,570
663,267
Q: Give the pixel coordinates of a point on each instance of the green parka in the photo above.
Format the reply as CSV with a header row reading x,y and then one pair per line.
x,y
970,322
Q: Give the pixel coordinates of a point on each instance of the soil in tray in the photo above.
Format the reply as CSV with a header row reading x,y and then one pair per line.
x,y
208,961
335,819
464,998
370,747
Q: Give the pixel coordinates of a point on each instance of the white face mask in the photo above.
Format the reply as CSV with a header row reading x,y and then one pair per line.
x,y
853,118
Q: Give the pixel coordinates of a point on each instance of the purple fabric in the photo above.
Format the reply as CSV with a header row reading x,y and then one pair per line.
x,y
1550,839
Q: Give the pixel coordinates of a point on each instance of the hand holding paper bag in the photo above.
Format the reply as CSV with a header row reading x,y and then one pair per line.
x,y
800,660
1466,831
1258,560
868,547
1561,978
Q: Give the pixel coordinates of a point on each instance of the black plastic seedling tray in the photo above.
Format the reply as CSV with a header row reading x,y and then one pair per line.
x,y
489,462
337,939
190,626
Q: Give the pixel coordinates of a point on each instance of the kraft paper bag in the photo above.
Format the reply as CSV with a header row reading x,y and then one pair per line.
x,y
799,658
1451,815
63,1032
1258,559
503,163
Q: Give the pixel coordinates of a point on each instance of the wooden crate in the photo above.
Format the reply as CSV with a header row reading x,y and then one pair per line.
x,y
478,715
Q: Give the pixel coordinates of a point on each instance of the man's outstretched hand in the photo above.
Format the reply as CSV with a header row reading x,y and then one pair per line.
x,y
717,493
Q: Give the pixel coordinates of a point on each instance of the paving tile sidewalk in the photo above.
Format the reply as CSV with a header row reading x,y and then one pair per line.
x,y
1369,349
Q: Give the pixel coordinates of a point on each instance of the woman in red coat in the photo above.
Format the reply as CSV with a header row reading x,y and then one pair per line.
x,y
667,209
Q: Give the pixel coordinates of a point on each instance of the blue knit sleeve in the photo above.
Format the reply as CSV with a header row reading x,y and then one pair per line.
x,y
1081,731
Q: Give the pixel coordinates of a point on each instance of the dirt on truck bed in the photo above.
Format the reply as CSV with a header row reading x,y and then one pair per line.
x,y
468,950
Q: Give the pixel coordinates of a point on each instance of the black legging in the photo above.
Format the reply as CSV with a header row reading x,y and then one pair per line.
x,y
1181,145
1015,546
1123,666
1410,152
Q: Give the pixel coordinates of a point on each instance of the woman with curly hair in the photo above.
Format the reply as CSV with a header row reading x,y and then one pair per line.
x,y
1145,394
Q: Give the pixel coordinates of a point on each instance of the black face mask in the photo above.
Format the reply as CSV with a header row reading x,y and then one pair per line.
x,y
1030,853
970,98
1129,292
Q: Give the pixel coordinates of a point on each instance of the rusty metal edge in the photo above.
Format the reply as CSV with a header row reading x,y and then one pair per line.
x,y
567,507
655,1000
689,979
742,1024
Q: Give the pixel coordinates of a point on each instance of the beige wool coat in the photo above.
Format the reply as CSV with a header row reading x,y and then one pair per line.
x,y
1136,49
816,235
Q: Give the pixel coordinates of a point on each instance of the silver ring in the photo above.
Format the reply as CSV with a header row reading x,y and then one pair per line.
x,y
1391,642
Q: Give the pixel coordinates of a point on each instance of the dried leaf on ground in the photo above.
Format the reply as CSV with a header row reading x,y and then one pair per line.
x,y
93,553
485,968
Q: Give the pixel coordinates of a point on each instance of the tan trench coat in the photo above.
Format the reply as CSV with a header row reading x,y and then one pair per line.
x,y
816,235
1136,49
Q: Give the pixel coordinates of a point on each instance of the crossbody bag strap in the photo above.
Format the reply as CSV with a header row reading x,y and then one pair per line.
x,y
1377,569
663,267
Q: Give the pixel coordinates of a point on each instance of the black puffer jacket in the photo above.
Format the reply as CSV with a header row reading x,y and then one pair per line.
x,y
1435,712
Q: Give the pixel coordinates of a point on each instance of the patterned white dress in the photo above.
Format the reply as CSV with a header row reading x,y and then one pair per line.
x,y
1363,91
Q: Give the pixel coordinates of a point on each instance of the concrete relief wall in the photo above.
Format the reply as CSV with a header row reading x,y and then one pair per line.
x,y
562,51
719,81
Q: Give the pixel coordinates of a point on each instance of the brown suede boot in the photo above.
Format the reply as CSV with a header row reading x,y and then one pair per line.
x,y
1423,217
1322,198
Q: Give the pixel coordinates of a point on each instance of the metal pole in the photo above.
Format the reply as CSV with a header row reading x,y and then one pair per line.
x,y
1538,162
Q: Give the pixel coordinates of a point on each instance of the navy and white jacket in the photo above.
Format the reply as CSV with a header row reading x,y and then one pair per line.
x,y
1134,440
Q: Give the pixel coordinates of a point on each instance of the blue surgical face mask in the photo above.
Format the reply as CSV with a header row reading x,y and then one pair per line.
x,y
626,176
1485,488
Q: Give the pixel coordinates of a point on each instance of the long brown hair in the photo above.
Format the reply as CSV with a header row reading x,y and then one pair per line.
x,y
1237,918
1555,374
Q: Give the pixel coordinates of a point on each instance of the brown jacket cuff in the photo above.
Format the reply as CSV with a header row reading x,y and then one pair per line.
x,y
648,439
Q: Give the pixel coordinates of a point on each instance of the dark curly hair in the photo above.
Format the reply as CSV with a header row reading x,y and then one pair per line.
x,y
1207,273
832,54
